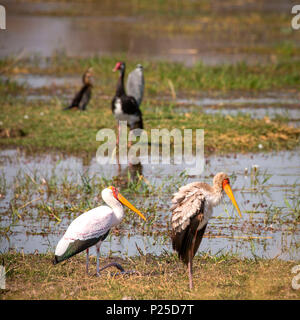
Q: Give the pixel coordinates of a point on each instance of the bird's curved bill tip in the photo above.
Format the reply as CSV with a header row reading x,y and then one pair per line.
x,y
229,192
130,206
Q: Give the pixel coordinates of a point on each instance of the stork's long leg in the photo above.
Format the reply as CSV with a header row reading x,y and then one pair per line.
x,y
129,142
190,270
118,136
118,145
87,260
197,237
98,256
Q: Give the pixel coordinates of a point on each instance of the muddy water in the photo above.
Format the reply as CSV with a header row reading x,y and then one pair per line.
x,y
260,198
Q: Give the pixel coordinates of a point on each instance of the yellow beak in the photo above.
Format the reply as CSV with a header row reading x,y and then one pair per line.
x,y
130,206
228,190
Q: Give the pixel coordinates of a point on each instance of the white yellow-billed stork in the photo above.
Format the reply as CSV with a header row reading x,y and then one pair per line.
x,y
92,227
191,210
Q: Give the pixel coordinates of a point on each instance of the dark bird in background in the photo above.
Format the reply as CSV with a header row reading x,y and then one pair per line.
x,y
192,208
136,83
124,107
83,97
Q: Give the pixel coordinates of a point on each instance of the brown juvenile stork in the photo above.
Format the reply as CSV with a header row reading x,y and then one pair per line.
x,y
191,210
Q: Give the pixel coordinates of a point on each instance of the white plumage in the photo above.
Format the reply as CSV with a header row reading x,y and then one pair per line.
x,y
91,224
92,227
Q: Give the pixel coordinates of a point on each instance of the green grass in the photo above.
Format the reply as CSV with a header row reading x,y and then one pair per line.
x,y
44,126
9,88
164,277
283,74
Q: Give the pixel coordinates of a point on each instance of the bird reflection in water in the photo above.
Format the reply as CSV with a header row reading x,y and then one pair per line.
x,y
132,173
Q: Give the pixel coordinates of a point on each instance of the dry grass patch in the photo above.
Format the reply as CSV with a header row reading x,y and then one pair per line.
x,y
34,277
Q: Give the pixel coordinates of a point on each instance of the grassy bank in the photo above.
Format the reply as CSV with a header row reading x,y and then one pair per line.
x,y
39,124
164,277
282,73
44,126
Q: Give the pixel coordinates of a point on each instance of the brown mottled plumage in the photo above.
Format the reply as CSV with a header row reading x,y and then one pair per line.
x,y
191,210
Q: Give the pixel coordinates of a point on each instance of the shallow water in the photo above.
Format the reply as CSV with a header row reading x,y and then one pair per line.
x,y
272,112
106,27
279,100
45,81
74,37
270,104
257,199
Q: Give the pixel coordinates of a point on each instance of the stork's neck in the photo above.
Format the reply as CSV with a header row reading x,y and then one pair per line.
x,y
216,195
118,211
120,85
114,204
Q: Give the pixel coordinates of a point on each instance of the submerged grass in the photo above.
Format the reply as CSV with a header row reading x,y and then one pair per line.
x,y
159,277
49,199
57,198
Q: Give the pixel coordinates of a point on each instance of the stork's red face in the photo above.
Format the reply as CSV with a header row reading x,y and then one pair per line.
x,y
124,201
225,182
118,66
227,189
115,191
